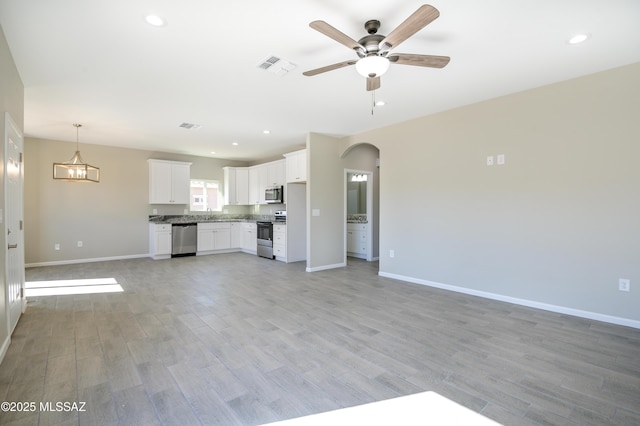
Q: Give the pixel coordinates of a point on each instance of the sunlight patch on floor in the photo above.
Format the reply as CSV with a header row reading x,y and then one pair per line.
x,y
76,286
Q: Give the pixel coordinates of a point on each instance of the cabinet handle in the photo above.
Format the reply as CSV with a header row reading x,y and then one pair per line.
x,y
13,245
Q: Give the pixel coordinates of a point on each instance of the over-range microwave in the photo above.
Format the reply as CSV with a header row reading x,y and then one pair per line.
x,y
274,195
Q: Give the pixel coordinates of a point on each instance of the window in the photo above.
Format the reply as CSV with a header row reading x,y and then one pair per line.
x,y
205,195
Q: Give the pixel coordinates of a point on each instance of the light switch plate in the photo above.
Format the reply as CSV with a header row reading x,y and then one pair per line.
x,y
490,160
500,159
315,212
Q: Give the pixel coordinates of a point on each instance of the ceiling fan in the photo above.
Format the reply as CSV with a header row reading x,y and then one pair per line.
x,y
373,50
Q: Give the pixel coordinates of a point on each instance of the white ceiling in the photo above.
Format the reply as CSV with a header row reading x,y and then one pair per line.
x,y
98,63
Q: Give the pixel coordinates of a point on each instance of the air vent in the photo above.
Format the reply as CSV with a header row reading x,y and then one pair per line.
x,y
190,126
277,66
267,63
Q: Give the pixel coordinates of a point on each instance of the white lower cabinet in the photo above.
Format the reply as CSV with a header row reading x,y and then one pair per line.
x,y
358,240
250,237
280,242
214,236
160,240
236,235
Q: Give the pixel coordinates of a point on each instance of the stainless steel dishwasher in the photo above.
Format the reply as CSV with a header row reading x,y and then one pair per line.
x,y
184,239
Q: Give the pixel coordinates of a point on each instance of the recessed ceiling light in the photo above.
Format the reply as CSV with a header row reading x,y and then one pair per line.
x,y
155,20
213,152
578,38
266,132
234,143
380,103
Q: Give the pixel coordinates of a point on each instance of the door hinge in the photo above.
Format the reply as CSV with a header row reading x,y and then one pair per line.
x,y
21,292
21,157
21,225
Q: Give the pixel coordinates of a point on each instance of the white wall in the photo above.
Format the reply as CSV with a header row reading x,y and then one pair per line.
x,y
557,224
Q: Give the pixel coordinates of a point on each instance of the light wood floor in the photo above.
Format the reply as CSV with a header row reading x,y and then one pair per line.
x,y
237,339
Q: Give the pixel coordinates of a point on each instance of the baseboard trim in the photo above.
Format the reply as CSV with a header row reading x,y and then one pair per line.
x,y
4,348
516,301
74,261
325,267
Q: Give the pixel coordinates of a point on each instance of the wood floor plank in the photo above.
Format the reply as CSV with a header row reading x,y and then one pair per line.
x,y
236,339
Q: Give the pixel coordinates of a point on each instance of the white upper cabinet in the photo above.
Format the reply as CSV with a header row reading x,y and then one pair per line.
x,y
276,173
296,165
236,185
169,182
257,184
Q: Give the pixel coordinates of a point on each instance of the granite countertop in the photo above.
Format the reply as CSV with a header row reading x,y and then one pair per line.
x,y
357,218
171,219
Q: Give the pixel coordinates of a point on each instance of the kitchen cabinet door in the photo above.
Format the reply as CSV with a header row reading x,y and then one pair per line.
x,y
159,240
250,238
181,183
205,239
280,242
169,182
242,186
222,239
276,173
236,235
296,166
257,184
236,186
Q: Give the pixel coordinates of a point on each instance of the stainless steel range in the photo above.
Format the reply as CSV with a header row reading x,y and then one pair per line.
x,y
281,216
265,239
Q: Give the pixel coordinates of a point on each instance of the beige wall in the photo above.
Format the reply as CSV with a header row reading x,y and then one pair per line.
x,y
110,217
325,193
556,225
12,101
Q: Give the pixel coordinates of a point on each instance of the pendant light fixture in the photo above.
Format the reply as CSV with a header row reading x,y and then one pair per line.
x,y
76,170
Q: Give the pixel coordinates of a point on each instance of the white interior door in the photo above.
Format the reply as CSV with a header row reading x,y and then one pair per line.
x,y
14,178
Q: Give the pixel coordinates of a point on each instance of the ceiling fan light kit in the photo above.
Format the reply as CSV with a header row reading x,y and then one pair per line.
x,y
373,49
372,66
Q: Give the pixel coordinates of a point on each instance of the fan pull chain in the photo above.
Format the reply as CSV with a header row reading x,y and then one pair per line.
x,y
373,100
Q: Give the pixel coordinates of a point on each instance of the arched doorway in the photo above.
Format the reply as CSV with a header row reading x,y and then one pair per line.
x,y
361,209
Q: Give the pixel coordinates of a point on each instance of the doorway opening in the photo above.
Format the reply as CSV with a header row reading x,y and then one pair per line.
x,y
359,215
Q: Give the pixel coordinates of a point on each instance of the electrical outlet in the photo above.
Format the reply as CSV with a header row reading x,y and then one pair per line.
x,y
56,246
500,159
624,284
392,253
490,160
79,243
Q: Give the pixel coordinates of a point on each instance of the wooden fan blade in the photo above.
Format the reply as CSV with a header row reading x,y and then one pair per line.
x,y
336,34
328,68
414,23
430,61
373,83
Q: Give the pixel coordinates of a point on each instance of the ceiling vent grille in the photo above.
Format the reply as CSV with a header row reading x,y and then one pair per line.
x,y
268,63
190,126
277,66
